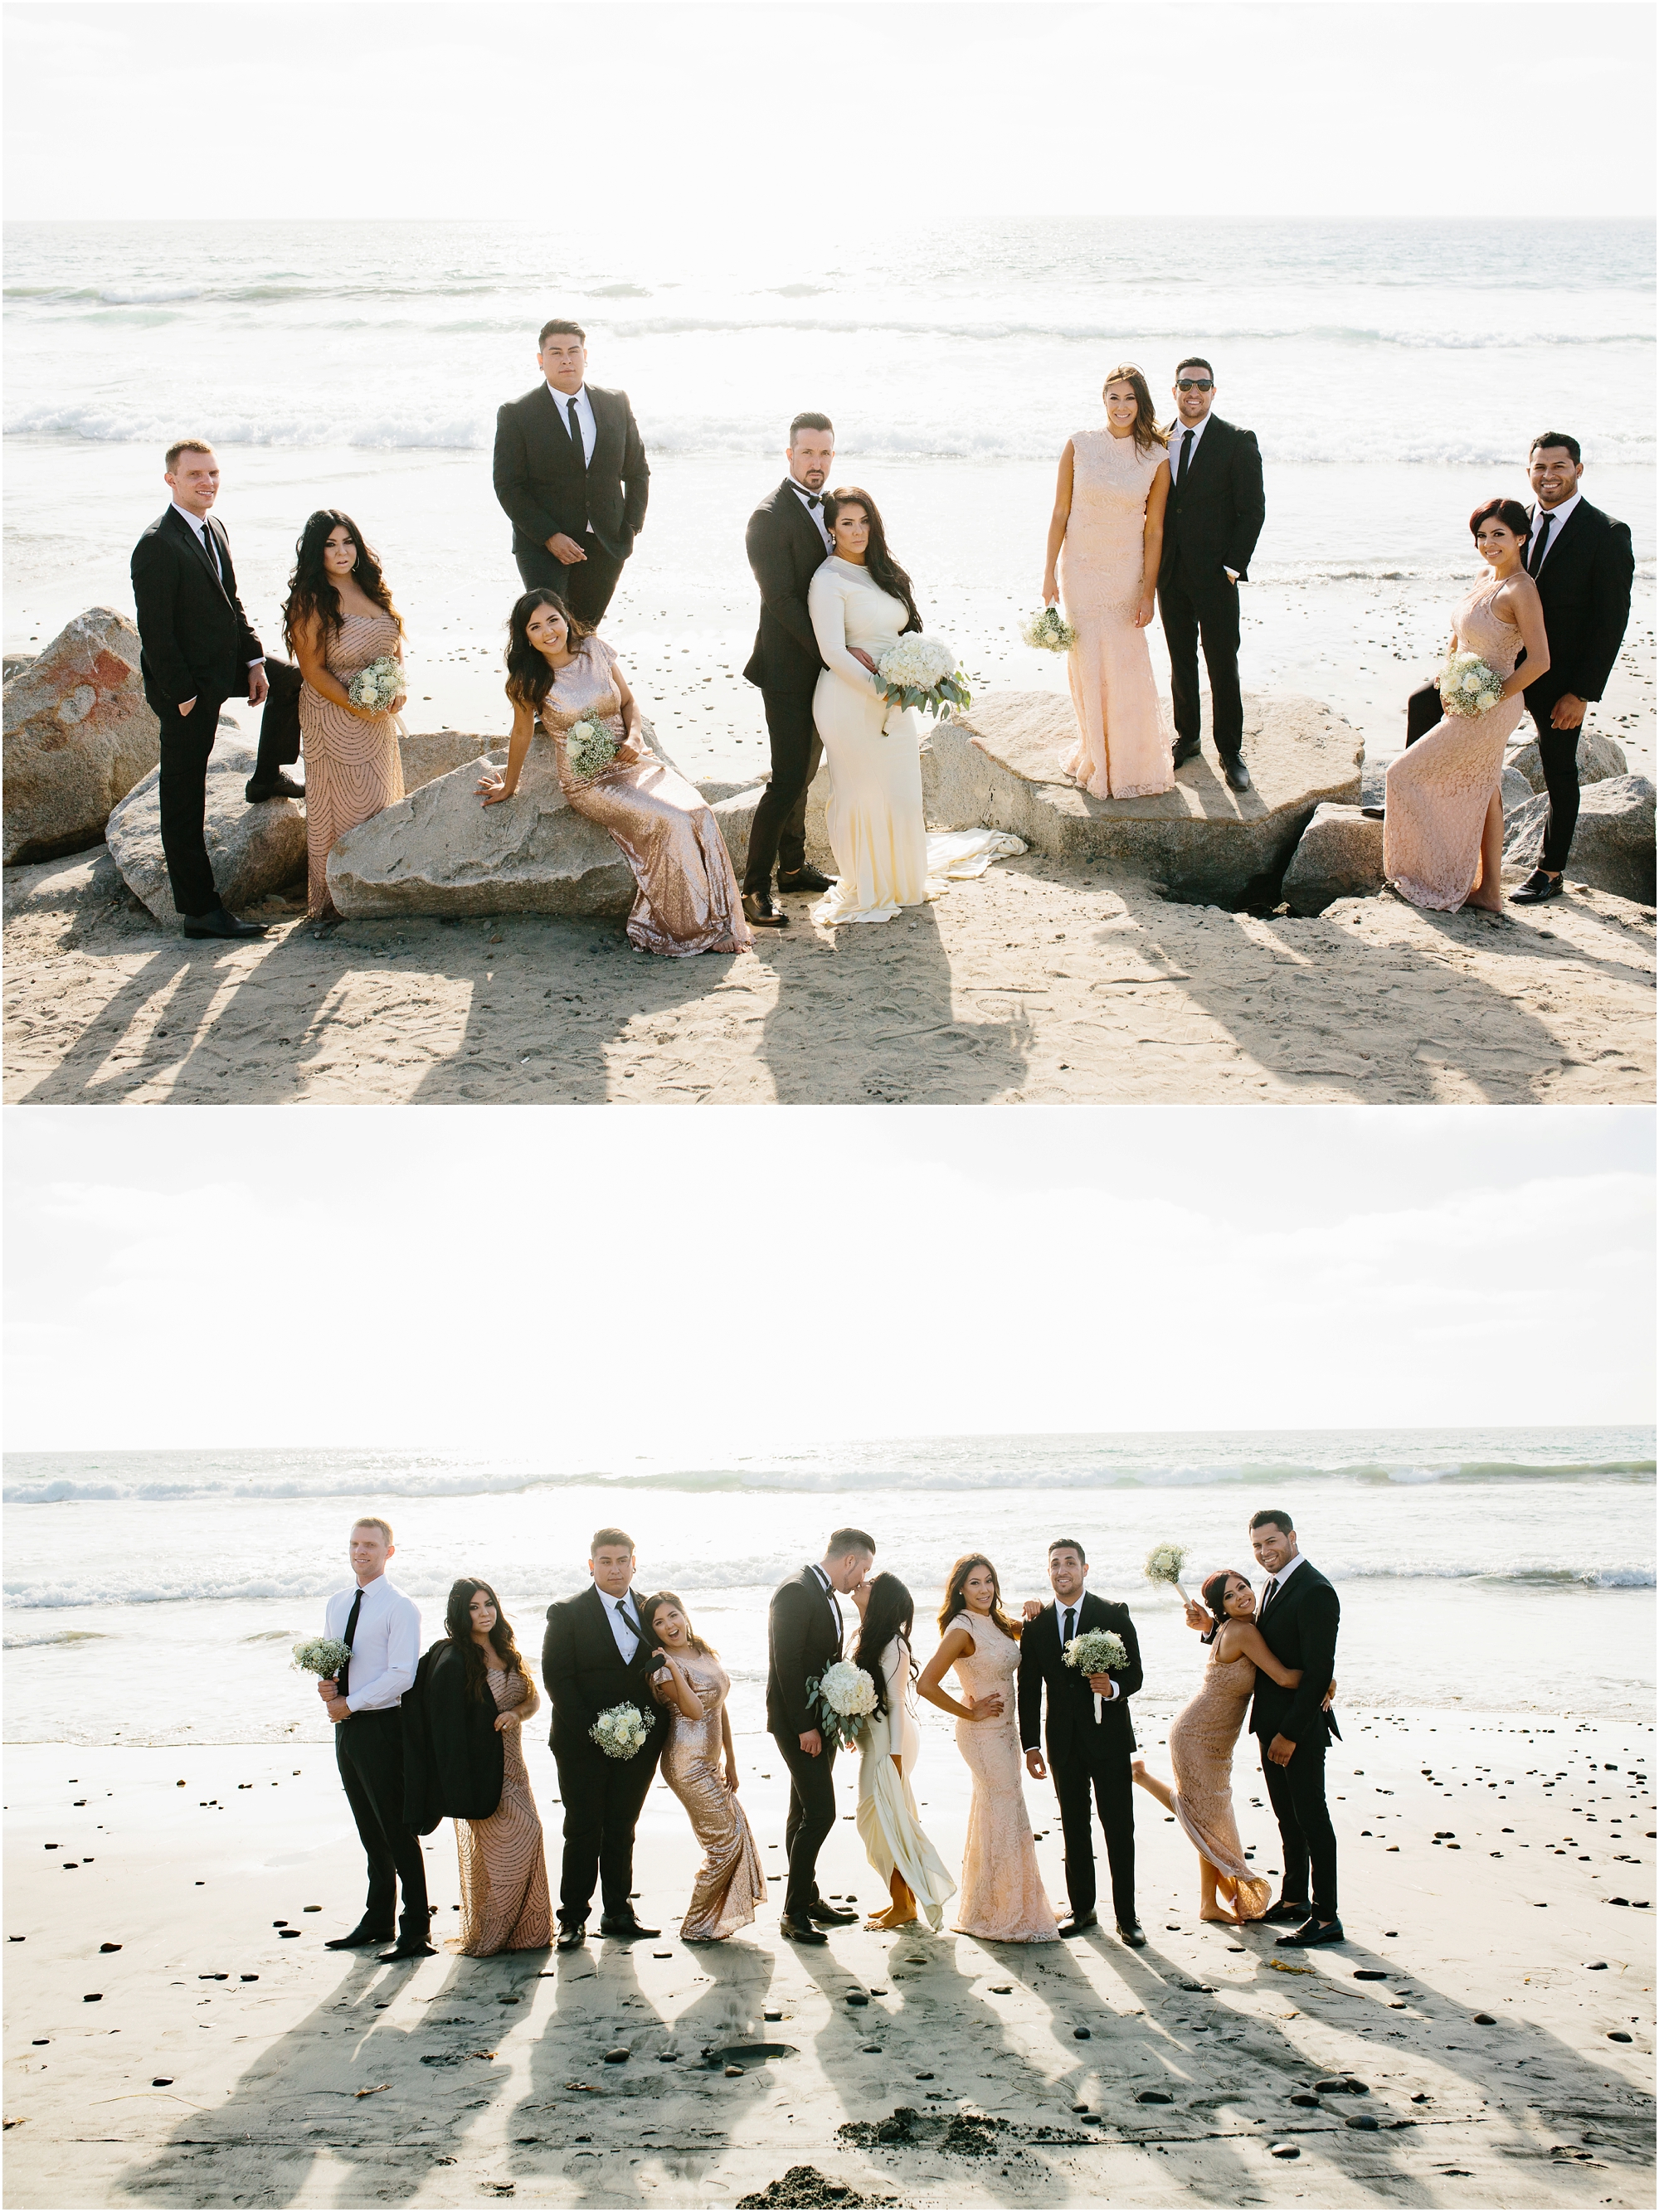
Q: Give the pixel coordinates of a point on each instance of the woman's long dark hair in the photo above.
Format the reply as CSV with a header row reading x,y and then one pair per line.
x,y
528,678
458,1626
884,569
892,1612
1213,1591
1147,432
668,1597
310,592
956,1602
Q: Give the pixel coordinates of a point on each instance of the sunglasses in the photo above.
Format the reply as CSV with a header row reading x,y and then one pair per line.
x,y
1193,383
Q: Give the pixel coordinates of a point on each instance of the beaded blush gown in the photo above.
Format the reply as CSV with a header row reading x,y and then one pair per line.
x,y
1122,751
1440,788
730,1884
504,1903
354,769
1002,1900
1202,1736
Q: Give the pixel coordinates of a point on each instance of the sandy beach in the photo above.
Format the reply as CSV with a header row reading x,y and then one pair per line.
x,y
1478,2001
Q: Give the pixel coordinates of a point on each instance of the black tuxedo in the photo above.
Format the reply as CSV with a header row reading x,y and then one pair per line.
x,y
1088,1758
1211,524
586,1674
785,550
1299,1626
1584,585
546,485
803,1637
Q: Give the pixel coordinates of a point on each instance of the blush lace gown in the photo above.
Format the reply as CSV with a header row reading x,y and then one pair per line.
x,y
1002,1900
504,1903
354,769
1439,789
1202,1736
890,1826
730,1883
1122,751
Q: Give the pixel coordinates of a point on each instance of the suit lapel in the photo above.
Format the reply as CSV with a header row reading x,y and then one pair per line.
x,y
1197,465
803,522
1558,537
200,551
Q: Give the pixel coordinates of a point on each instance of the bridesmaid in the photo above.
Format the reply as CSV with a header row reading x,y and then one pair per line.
x,y
1442,821
1003,1900
504,1901
888,1823
559,674
338,618
700,1766
1109,521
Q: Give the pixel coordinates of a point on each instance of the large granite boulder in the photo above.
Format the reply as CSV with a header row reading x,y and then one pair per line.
x,y
998,767
1599,757
79,734
1612,845
429,754
254,849
1339,855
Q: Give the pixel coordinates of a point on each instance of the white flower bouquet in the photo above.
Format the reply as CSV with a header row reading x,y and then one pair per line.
x,y
620,1731
378,687
1164,1564
589,747
1049,632
321,1655
923,671
1097,1651
1467,686
844,1696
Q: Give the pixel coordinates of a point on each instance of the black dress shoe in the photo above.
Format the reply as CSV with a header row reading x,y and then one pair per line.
x,y
1312,1932
806,879
360,1938
800,1931
1135,1935
220,924
1288,1908
571,1938
280,787
408,1946
1185,749
623,1925
828,1916
759,912
1078,1922
1237,775
1538,887
1372,813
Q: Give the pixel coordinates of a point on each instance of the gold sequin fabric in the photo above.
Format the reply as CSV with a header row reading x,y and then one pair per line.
x,y
1201,1738
730,1883
504,1906
354,769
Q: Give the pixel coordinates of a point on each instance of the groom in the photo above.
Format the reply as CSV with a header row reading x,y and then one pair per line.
x,y
804,1636
1090,1736
596,1655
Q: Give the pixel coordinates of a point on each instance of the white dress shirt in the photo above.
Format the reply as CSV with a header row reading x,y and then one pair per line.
x,y
624,1625
585,421
1558,516
815,516
386,1649
210,547
1276,1583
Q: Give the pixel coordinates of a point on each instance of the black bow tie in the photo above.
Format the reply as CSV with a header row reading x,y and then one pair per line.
x,y
810,497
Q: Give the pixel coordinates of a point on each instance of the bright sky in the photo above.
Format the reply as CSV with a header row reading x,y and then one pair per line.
x,y
521,1280
594,116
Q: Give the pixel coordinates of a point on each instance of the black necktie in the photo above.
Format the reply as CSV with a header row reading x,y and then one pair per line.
x,y
1071,1615
344,1678
1269,1595
576,434
1186,455
211,550
1537,560
631,1626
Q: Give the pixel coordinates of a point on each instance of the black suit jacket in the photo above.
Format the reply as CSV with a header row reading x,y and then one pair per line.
x,y
1213,520
1299,1628
785,551
543,486
197,640
454,1754
802,1640
584,1674
1073,1733
1584,585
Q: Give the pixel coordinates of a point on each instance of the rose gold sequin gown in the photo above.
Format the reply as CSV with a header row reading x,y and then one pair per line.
x,y
1002,1900
730,1883
1202,1735
687,900
354,769
1122,751
1439,789
504,1903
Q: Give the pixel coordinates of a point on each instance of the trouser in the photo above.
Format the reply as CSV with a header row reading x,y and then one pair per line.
x,y
602,1799
586,586
1083,1787
811,1817
368,1749
1209,609
1297,1793
186,742
1558,755
778,833
279,725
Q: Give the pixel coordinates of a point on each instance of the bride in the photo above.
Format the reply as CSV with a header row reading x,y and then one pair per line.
x,y
861,604
889,1824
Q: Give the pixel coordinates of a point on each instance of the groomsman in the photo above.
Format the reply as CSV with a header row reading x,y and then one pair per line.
x,y
1089,1736
1582,562
1211,525
571,474
383,1628
787,540
805,1635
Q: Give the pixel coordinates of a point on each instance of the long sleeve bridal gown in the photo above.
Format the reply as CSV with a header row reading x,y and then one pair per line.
x,y
889,1824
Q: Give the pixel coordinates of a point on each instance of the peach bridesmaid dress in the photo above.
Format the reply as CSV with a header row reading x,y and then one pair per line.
x,y
1002,1898
1122,751
730,1883
1202,1736
354,769
504,1904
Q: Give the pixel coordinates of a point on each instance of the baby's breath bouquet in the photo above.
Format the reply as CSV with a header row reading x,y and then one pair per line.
x,y
923,672
378,686
1467,686
1164,1564
1049,632
620,1731
843,1696
589,747
1097,1651
321,1655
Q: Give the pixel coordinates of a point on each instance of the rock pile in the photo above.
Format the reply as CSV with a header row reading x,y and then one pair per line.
x,y
79,734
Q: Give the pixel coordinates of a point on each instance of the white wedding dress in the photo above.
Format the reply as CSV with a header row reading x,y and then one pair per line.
x,y
884,858
889,1824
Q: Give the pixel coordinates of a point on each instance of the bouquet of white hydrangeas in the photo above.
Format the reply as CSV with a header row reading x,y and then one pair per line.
x,y
844,1696
1467,686
923,672
1097,1651
589,747
620,1731
378,686
321,1655
1164,1564
1049,632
